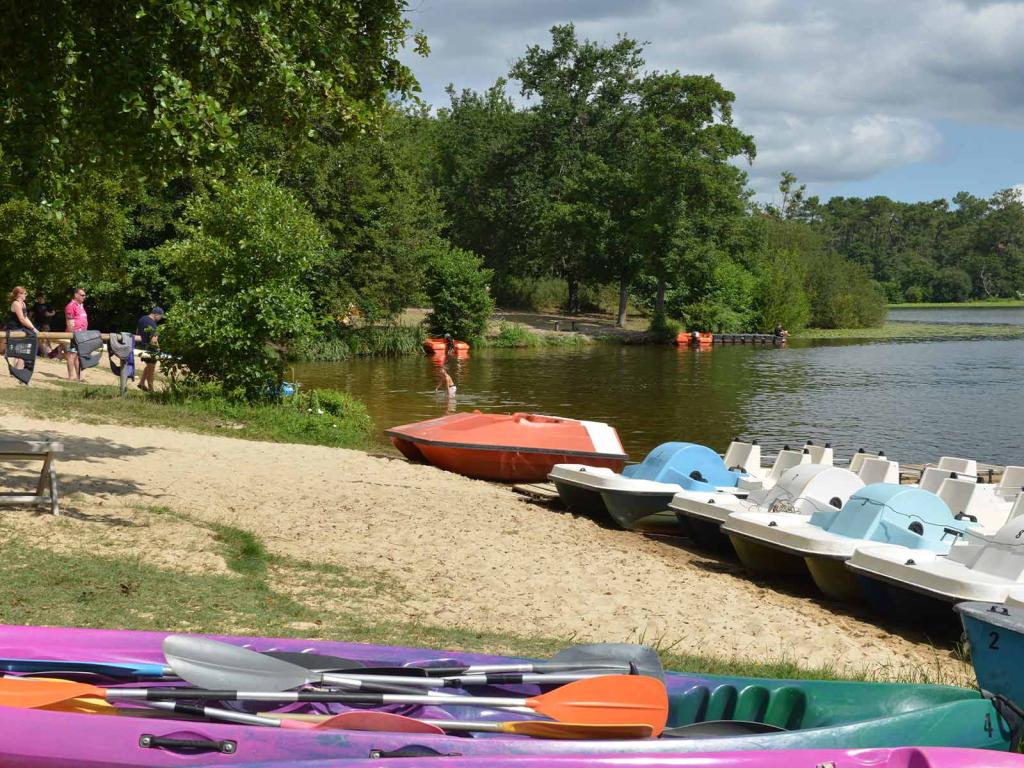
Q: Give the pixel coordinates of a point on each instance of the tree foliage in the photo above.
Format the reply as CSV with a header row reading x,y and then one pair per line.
x,y
164,85
237,273
457,284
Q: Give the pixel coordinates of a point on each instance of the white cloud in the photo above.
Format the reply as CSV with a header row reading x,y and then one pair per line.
x,y
832,91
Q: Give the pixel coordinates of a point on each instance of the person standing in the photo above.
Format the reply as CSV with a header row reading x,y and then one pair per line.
x,y
77,320
41,314
17,316
148,330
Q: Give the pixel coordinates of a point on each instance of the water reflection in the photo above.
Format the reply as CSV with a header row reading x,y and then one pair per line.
x,y
915,400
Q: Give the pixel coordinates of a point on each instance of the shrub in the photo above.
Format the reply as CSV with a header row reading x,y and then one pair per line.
x,y
239,266
663,329
513,335
457,286
781,298
951,284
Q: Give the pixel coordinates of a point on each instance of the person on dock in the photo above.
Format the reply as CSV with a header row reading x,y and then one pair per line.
x,y
41,314
780,332
148,330
77,320
17,317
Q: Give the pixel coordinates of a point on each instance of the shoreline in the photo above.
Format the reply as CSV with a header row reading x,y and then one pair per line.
x,y
422,552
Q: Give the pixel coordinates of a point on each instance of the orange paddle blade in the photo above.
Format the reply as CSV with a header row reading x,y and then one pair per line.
x,y
543,729
607,700
30,693
378,721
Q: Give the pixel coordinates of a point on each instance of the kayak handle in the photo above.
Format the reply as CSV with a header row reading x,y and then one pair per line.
x,y
223,746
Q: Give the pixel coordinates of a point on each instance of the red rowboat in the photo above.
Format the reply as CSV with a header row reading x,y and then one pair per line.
x,y
518,447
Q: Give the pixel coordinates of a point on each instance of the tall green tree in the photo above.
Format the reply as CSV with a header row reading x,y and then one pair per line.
x,y
164,85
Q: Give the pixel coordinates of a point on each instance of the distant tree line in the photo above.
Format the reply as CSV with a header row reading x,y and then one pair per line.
x,y
270,177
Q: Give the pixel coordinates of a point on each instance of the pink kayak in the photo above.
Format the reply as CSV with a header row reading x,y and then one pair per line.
x,y
898,757
789,714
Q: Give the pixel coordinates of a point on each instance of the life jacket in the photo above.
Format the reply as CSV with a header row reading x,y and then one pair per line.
x,y
122,357
22,349
89,347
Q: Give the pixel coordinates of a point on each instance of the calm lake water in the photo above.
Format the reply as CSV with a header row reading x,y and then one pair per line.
x,y
914,400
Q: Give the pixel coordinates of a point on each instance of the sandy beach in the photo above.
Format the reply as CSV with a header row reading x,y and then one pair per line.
x,y
463,553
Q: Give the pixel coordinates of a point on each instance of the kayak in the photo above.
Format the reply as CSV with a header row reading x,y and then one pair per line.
x,y
440,345
517,447
900,757
799,714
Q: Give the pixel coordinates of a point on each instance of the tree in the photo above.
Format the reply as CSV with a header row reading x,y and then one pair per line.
x,y
164,85
237,270
457,286
586,94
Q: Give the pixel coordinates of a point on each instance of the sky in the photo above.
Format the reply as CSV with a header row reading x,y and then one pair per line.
x,y
913,99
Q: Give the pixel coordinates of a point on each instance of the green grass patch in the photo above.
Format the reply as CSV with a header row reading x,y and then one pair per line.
x,y
915,331
316,418
519,336
961,304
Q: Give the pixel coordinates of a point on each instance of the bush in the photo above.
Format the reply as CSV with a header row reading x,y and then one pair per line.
x,y
663,329
336,344
239,267
951,284
843,295
781,298
513,335
457,286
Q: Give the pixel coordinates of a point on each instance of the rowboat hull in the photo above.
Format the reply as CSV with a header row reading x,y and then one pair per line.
x,y
517,447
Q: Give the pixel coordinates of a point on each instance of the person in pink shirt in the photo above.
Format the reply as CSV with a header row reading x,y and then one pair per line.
x,y
77,320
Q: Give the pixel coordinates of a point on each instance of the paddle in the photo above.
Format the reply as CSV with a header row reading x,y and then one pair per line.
x,y
213,664
609,700
717,729
136,670
544,729
608,658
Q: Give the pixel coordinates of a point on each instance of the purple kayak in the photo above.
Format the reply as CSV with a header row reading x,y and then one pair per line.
x,y
813,715
900,757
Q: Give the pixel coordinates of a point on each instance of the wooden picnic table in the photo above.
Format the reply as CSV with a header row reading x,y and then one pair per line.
x,y
46,494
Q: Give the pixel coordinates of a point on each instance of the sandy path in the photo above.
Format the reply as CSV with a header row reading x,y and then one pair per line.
x,y
466,553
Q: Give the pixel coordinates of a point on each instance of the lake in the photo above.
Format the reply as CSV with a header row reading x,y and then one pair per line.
x,y
914,400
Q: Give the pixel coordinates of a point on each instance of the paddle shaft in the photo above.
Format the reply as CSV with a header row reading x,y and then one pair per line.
x,y
462,681
378,699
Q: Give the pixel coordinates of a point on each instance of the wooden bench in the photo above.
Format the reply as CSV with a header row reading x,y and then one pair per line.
x,y
31,450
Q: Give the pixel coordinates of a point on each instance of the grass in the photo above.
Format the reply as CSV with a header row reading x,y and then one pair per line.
x,y
914,330
519,336
341,421
385,341
961,304
273,595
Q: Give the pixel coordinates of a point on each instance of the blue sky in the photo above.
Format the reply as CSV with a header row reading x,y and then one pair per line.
x,y
914,99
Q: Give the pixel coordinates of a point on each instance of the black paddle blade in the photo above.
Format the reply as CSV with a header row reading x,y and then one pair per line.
x,y
317,662
627,656
719,729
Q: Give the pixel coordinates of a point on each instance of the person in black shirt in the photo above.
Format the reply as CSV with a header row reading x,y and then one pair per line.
x,y
147,329
41,314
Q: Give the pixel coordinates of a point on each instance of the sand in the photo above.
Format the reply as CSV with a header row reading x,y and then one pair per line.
x,y
464,553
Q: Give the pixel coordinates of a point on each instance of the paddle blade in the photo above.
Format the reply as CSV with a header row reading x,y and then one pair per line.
x,y
35,692
378,721
608,700
316,662
542,729
222,666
